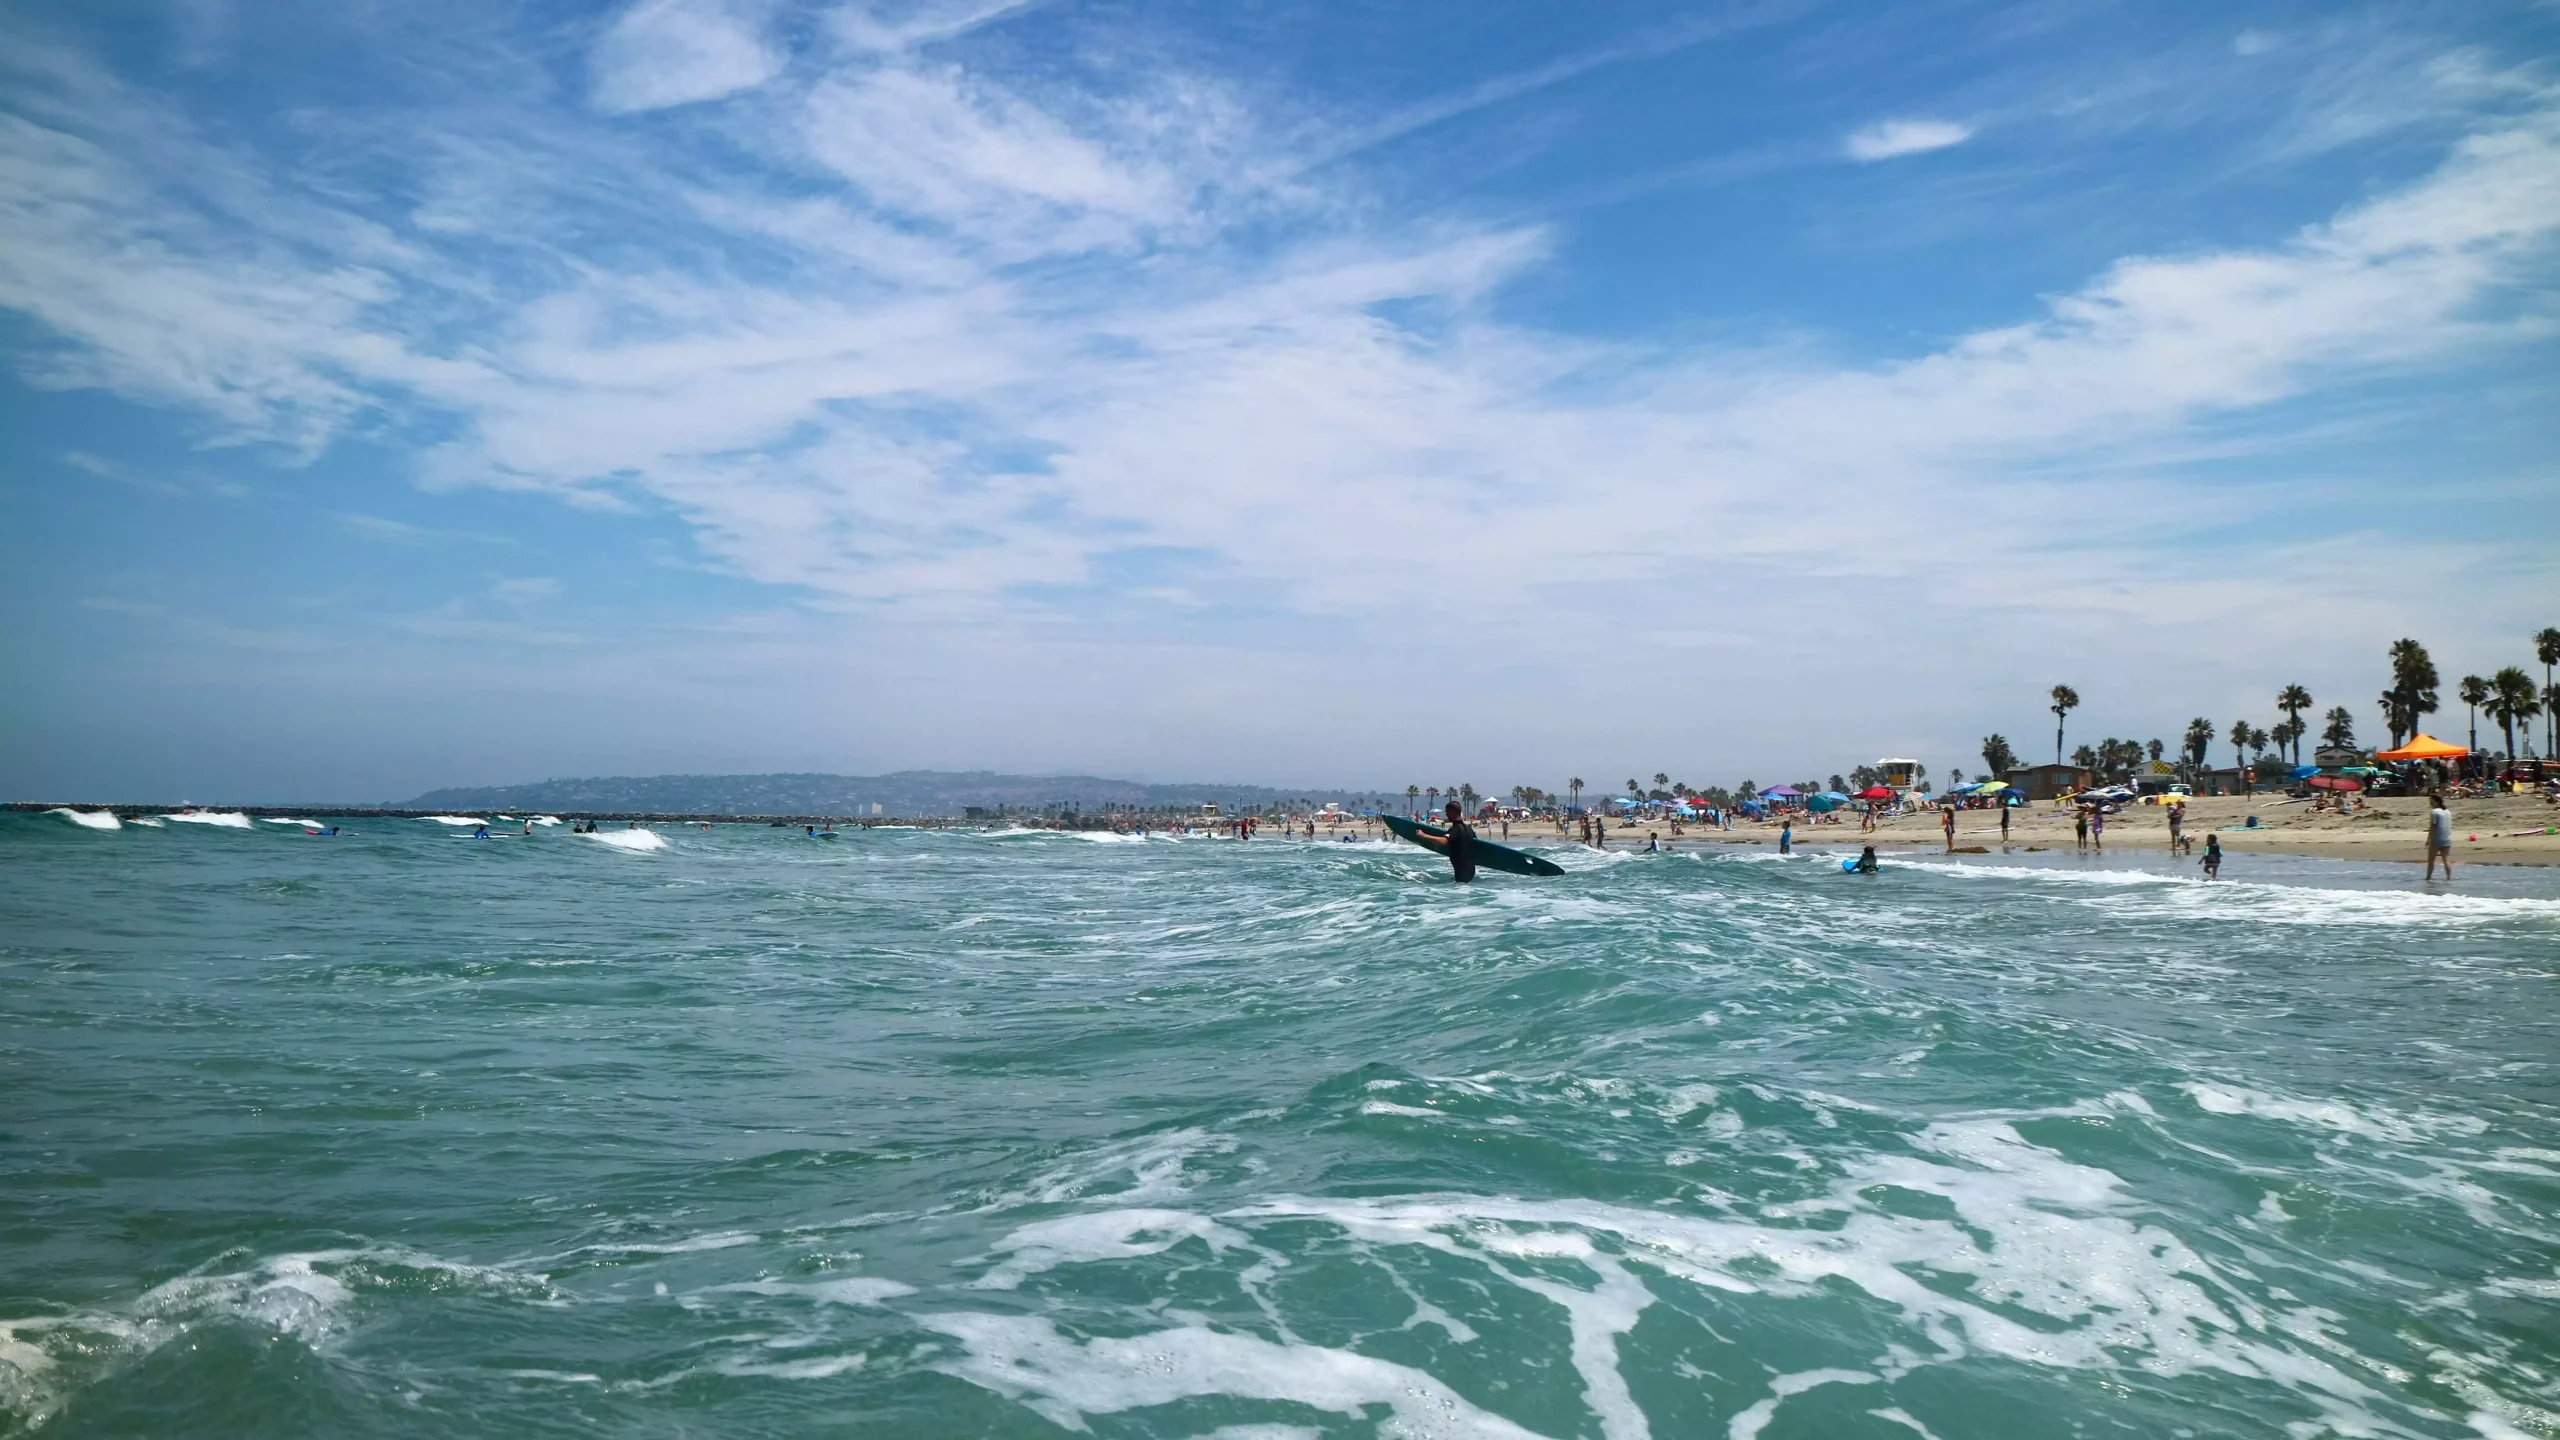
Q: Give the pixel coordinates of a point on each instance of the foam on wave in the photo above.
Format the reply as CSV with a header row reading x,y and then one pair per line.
x,y
451,820
633,840
226,819
89,819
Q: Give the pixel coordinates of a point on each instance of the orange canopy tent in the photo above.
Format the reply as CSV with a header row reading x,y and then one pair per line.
x,y
2423,747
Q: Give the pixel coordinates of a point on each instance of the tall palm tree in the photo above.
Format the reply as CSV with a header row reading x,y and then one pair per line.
x,y
2513,698
2293,700
1635,789
2474,693
1661,781
2340,731
1575,785
2239,742
1411,794
2412,695
1995,753
2199,740
2065,700
2546,648
1431,793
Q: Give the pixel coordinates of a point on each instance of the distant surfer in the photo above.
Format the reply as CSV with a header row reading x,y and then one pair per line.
x,y
480,834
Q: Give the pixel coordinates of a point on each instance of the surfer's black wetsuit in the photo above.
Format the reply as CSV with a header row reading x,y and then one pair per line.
x,y
1462,851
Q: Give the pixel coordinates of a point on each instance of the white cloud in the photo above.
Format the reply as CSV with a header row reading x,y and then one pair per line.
x,y
1889,138
661,53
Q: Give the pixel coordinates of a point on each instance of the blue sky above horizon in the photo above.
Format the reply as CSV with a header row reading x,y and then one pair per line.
x,y
1299,394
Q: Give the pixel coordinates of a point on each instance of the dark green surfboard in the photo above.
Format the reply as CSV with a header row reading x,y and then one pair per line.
x,y
1489,856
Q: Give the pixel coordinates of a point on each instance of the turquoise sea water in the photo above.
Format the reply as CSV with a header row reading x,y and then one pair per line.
x,y
956,1134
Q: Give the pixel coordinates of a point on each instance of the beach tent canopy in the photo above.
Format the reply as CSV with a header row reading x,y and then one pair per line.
x,y
2423,747
1782,790
1875,792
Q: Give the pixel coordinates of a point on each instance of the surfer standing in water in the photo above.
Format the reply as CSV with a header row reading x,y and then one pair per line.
x,y
1461,846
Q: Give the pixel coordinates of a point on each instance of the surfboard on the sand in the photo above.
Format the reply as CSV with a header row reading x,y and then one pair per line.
x,y
1489,856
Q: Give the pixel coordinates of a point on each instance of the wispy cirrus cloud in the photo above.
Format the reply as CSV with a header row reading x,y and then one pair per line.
x,y
662,53
1887,139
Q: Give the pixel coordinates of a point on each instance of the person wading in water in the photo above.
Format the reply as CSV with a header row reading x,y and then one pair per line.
x,y
1459,845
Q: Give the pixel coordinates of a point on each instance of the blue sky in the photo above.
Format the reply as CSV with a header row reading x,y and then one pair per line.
x,y
399,396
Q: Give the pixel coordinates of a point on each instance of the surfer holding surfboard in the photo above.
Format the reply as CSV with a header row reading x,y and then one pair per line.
x,y
1467,852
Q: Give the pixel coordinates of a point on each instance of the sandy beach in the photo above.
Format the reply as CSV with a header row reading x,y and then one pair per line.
x,y
2390,829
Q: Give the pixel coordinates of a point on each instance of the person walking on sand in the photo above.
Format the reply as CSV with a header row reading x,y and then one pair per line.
x,y
2439,836
2004,822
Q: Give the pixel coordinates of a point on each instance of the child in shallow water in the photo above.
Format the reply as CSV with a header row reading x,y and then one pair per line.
x,y
2213,857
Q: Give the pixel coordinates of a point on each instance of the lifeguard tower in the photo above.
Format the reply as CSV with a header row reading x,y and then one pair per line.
x,y
1899,775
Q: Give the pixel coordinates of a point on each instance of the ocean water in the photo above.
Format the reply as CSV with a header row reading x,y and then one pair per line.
x,y
953,1134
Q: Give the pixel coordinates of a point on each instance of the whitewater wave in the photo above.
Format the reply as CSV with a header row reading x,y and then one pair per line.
x,y
46,1359
633,840
2259,900
2032,1259
226,819
89,819
451,820
546,819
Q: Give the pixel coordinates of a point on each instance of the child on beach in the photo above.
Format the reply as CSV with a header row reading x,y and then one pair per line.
x,y
1787,838
2439,836
2213,857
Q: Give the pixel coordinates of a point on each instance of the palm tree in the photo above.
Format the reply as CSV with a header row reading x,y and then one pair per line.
x,y
2413,689
2288,734
1411,794
2474,693
2546,648
1431,794
1467,796
1995,753
1635,789
2065,700
2199,740
2513,698
1661,781
2239,742
1575,785
2340,731
2293,700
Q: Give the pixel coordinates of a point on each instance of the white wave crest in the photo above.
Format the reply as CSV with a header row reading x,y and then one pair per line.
x,y
2194,896
90,819
452,820
546,819
45,1359
227,819
634,840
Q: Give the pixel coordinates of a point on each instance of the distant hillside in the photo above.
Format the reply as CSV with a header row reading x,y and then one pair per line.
x,y
908,792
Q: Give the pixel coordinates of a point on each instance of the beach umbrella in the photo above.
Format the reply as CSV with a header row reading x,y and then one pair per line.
x,y
2335,782
1875,792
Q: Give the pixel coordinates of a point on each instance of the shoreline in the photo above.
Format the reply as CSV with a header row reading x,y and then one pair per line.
x,y
2387,831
